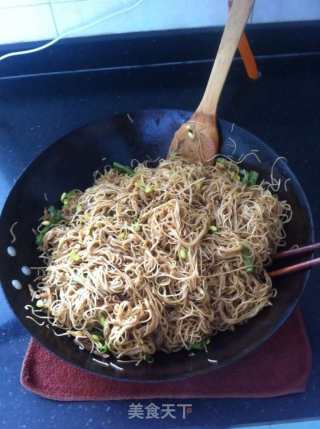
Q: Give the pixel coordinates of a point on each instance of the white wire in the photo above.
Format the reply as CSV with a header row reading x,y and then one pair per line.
x,y
67,33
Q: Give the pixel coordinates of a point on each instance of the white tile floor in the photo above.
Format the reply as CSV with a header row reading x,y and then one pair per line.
x,y
25,20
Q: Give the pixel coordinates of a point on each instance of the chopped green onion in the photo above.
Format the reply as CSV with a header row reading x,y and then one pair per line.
x,y
244,176
200,345
66,196
183,253
99,342
235,176
52,210
148,189
46,229
213,229
122,235
136,227
40,303
55,215
102,348
97,332
102,320
249,178
253,178
42,233
140,183
39,239
96,338
221,161
247,259
123,169
74,256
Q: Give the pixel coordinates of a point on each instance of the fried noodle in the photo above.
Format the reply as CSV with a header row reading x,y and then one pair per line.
x,y
154,261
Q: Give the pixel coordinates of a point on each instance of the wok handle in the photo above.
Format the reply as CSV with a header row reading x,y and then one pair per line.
x,y
239,13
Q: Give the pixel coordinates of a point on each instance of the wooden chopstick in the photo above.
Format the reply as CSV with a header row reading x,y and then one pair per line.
x,y
294,268
297,251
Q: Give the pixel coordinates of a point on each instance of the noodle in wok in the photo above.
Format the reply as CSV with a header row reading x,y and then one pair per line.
x,y
159,258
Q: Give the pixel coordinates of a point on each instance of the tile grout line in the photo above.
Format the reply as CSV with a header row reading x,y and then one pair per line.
x,y
53,17
27,24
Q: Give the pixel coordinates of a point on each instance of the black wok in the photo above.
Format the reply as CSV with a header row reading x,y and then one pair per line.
x,y
70,163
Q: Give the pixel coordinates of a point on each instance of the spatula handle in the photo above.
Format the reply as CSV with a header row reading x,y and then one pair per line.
x,y
233,30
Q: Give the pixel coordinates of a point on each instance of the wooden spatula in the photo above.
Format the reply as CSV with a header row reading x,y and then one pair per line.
x,y
197,139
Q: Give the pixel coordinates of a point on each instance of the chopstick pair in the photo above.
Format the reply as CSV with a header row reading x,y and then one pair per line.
x,y
296,267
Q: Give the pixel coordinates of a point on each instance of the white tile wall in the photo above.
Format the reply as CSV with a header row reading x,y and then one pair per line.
x,y
26,20
15,3
151,15
286,10
26,24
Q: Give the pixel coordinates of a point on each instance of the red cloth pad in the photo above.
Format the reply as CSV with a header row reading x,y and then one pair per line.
x,y
279,367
